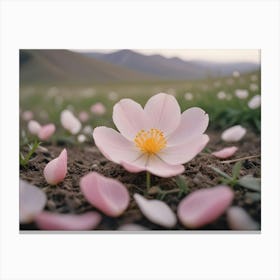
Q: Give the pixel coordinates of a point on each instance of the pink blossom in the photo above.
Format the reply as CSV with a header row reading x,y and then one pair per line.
x,y
158,138
98,109
46,131
55,171
108,195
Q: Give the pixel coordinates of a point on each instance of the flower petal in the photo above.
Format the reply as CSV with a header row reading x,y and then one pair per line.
x,y
204,206
55,171
239,219
32,201
98,109
108,195
225,153
163,112
113,145
194,122
46,131
70,122
129,118
156,211
132,227
57,221
34,127
234,133
184,152
162,169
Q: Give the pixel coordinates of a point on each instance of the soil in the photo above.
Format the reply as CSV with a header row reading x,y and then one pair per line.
x,y
67,197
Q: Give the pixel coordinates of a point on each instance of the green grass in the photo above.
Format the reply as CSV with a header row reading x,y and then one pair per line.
x,y
222,113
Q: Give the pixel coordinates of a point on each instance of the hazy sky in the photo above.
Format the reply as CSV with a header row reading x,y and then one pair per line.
x,y
209,55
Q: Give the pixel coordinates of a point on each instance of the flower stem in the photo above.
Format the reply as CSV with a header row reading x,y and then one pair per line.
x,y
148,181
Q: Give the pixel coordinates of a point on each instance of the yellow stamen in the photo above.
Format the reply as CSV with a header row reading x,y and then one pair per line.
x,y
151,141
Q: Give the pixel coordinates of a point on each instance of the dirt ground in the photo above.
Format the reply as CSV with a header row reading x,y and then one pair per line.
x,y
67,197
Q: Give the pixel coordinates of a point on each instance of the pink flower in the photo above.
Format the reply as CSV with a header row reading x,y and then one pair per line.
x,y
157,138
83,116
98,109
55,171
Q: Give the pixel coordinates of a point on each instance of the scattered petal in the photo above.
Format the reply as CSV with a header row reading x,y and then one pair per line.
x,y
221,95
108,195
188,96
156,211
241,93
239,219
57,221
55,171
226,152
83,116
204,206
34,127
132,227
234,133
81,138
70,122
46,131
32,201
27,115
255,102
98,109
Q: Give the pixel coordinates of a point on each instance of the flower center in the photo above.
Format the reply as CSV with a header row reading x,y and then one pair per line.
x,y
151,141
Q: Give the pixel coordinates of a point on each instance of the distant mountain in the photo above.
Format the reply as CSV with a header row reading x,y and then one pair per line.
x,y
171,68
63,66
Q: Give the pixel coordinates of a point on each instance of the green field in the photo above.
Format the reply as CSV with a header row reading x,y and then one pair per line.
x,y
47,101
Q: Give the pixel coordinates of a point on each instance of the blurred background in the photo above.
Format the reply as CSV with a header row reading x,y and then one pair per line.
x,y
90,82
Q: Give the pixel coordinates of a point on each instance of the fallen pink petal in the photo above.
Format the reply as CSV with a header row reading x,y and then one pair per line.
x,y
27,115
108,195
56,221
70,122
83,116
98,109
132,227
239,219
156,211
34,127
32,201
204,206
46,131
234,133
226,152
153,138
55,171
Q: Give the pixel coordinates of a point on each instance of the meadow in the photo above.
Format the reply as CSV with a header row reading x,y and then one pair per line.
x,y
217,97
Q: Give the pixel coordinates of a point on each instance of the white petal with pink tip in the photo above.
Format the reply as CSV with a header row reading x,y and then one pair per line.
x,y
239,219
57,221
204,206
234,133
156,211
225,153
55,171
108,195
32,201
46,131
